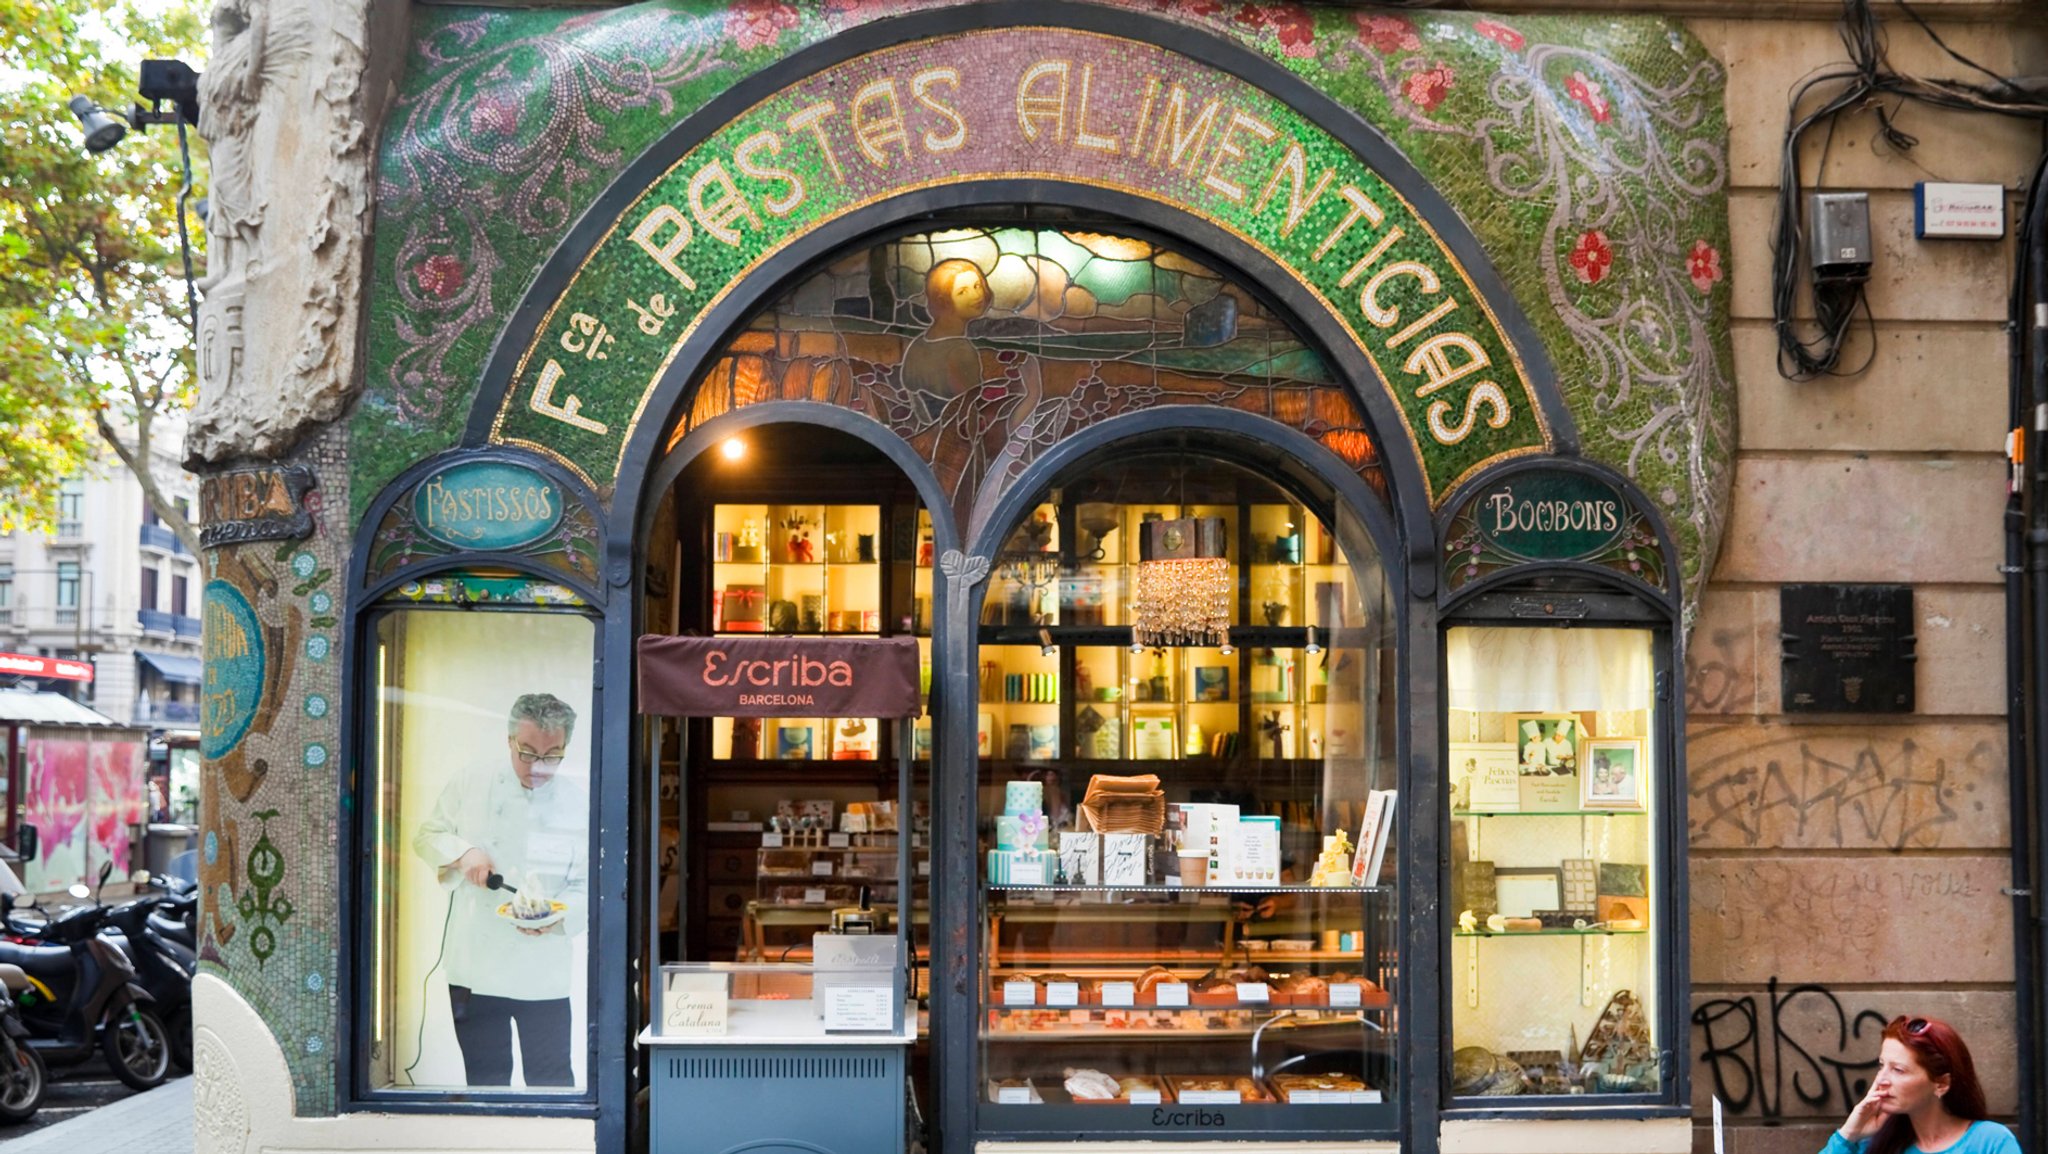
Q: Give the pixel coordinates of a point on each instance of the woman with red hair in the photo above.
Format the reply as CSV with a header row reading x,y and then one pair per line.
x,y
1924,1098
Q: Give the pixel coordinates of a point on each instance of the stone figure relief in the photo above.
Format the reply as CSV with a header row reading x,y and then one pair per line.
x,y
281,106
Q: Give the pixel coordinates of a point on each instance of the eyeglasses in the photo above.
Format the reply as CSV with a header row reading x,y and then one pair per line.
x,y
529,757
1913,1026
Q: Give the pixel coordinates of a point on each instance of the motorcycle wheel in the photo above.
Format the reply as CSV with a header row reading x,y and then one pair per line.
x,y
23,1079
137,1046
179,1026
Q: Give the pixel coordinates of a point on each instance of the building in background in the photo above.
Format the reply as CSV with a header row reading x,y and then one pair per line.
x,y
1462,325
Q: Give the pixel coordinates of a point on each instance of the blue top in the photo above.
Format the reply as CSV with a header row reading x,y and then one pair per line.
x,y
1980,1138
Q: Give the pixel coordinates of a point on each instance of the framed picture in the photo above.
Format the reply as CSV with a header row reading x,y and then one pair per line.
x,y
1520,891
1545,744
1484,777
1613,778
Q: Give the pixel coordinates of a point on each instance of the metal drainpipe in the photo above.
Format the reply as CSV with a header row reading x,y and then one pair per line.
x,y
2027,700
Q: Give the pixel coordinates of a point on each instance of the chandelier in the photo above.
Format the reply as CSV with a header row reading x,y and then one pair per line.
x,y
1185,584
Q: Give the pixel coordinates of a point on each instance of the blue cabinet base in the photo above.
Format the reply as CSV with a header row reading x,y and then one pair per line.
x,y
728,1099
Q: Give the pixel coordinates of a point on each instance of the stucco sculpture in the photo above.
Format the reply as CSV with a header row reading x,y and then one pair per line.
x,y
280,105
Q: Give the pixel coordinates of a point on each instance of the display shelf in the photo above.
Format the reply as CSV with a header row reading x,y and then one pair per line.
x,y
1463,813
1588,932
1199,890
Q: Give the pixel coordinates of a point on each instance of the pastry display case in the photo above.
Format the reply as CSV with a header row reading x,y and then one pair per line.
x,y
1187,897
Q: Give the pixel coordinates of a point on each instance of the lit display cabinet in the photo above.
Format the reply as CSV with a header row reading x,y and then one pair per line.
x,y
1564,818
1188,899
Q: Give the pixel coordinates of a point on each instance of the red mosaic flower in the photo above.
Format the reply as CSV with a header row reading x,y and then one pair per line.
x,y
494,114
758,23
1197,8
1296,29
440,276
1703,265
1500,34
1591,257
1387,35
1427,89
1586,92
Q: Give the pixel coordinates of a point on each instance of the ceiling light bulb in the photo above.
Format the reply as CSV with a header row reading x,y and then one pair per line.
x,y
733,448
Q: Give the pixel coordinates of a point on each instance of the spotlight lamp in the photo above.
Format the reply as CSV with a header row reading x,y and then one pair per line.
x,y
101,130
1312,648
1045,646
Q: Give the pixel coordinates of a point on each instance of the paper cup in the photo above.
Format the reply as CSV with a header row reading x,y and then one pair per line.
x,y
1194,869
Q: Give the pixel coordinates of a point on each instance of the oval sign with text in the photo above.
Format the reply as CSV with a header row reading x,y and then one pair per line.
x,y
487,506
1550,515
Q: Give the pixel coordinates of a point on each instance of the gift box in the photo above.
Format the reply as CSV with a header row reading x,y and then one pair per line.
x,y
740,609
1028,867
1081,858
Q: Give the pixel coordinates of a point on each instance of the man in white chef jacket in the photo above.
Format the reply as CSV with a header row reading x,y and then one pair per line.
x,y
509,817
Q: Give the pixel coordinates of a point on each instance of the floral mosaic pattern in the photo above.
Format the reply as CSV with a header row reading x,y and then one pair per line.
x,y
1588,156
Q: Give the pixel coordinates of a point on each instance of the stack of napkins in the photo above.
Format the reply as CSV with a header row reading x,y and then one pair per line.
x,y
1124,804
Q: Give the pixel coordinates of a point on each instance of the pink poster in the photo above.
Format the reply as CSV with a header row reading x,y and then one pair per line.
x,y
54,801
117,790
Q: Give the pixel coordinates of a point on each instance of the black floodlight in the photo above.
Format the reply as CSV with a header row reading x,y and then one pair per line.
x,y
102,131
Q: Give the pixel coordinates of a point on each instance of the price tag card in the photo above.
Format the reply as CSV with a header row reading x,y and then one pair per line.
x,y
1254,992
1119,993
1143,1098
1020,993
1346,994
771,841
1028,872
1171,993
858,1008
822,868
924,869
837,840
1015,1096
741,815
814,896
1211,1097
1063,993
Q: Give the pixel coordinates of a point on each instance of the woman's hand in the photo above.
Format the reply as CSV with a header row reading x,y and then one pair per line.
x,y
1865,1119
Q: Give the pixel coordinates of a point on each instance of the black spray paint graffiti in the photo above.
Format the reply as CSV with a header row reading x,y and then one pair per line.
x,y
1735,1038
1870,800
1720,673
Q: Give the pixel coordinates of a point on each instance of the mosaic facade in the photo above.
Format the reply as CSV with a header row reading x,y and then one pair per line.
x,y
1587,157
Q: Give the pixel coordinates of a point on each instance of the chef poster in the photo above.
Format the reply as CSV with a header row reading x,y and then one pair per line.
x,y
483,738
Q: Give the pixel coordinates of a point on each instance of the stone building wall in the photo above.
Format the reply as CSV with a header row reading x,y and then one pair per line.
x,y
1845,870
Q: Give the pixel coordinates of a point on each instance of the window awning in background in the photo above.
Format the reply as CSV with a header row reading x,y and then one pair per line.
x,y
172,667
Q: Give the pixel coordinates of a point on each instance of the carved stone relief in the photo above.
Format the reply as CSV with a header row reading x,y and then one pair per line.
x,y
281,105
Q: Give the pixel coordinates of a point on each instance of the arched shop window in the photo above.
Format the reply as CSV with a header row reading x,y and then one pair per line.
x,y
1186,890
478,758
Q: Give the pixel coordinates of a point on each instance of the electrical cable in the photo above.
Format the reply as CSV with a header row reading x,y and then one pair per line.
x,y
1868,78
419,1040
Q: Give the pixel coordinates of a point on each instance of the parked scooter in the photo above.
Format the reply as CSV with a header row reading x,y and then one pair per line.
x,y
23,1077
152,929
84,993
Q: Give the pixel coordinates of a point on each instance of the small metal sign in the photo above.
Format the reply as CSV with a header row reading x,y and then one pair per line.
x,y
266,503
1847,648
489,506
1551,515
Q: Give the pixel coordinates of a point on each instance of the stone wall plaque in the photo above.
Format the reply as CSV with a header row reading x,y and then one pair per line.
x,y
1847,648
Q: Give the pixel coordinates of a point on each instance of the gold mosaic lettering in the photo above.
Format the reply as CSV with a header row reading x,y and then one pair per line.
x,y
1485,393
1431,360
1145,112
1034,106
743,159
1082,136
543,402
1293,167
1371,256
1187,140
1368,301
1361,206
664,254
874,135
1423,322
719,216
920,89
810,120
1227,150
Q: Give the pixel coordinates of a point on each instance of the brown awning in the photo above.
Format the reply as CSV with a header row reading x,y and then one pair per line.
x,y
779,676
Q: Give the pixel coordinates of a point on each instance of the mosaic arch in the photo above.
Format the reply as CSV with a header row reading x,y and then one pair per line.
x,y
1448,370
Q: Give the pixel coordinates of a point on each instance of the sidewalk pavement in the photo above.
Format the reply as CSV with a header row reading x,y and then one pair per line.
x,y
156,1122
